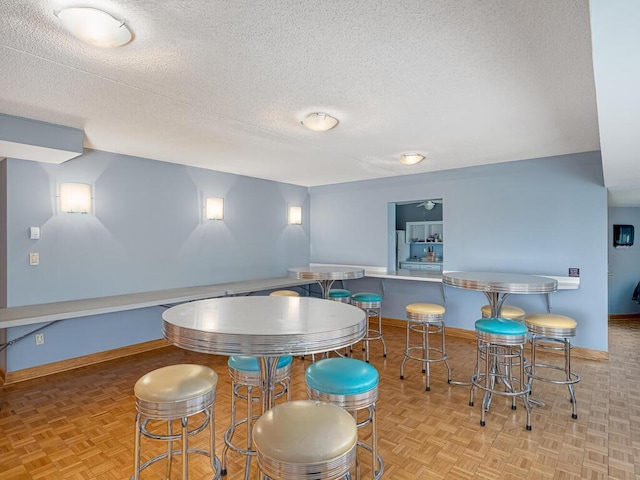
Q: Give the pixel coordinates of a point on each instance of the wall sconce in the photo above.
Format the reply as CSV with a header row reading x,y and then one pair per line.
x,y
214,208
295,215
75,198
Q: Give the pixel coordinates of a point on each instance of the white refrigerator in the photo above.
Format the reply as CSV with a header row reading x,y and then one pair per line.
x,y
402,248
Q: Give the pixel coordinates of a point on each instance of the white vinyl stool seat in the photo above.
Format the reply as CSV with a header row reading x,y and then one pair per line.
x,y
284,293
306,439
552,332
246,385
510,312
176,392
426,319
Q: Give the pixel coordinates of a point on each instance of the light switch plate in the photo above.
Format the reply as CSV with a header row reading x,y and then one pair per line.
x,y
34,233
34,259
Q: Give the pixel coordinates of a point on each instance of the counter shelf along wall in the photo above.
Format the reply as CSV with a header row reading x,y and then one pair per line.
x,y
54,312
435,278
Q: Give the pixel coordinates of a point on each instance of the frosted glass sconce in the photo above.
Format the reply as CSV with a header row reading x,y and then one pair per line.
x,y
295,215
75,198
214,208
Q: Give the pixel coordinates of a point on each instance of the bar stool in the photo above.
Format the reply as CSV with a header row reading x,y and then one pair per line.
x,y
343,296
306,440
176,392
339,295
552,332
371,303
500,342
507,311
284,293
353,385
245,375
426,319
510,312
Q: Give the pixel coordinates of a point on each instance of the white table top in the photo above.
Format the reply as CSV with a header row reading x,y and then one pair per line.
x,y
263,326
326,272
500,282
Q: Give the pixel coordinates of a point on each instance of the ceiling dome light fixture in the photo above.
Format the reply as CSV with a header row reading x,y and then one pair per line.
x,y
95,27
319,122
411,158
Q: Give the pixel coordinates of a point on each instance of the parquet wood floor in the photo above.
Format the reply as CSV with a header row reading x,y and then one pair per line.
x,y
80,424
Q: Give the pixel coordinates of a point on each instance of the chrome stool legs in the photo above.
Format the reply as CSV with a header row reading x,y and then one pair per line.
x,y
551,332
175,393
425,319
371,303
499,359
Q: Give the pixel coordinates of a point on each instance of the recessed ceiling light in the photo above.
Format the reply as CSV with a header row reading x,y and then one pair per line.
x,y
411,158
95,27
319,122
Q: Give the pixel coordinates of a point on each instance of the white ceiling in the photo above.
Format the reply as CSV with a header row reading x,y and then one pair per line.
x,y
224,84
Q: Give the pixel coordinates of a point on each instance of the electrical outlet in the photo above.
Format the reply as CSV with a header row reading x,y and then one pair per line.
x,y
34,259
39,338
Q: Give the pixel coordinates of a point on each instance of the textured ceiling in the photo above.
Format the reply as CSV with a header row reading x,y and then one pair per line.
x,y
224,84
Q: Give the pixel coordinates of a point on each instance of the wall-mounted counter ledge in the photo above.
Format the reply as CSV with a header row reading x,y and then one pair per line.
x,y
48,312
564,283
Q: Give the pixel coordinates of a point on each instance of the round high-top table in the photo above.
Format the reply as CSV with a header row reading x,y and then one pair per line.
x,y
325,275
498,286
264,327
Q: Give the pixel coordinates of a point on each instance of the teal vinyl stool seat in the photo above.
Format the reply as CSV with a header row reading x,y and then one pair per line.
x,y
306,440
175,393
426,319
353,385
500,359
246,385
552,332
339,295
371,303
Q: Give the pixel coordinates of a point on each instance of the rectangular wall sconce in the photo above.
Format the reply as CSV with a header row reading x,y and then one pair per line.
x,y
75,198
214,208
295,215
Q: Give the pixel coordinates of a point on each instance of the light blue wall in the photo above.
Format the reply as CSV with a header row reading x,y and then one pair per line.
x,y
538,216
147,233
623,263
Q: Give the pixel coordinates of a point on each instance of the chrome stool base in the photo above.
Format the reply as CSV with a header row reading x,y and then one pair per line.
x,y
175,393
352,385
371,303
500,352
425,319
551,332
245,374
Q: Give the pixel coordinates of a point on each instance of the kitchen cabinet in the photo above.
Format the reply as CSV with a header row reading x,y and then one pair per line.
x,y
424,232
425,266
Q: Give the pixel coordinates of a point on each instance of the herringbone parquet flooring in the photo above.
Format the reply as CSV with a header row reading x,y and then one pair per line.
x,y
79,424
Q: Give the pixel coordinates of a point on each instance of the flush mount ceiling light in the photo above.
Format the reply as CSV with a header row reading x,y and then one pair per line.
x,y
95,27
411,158
319,122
